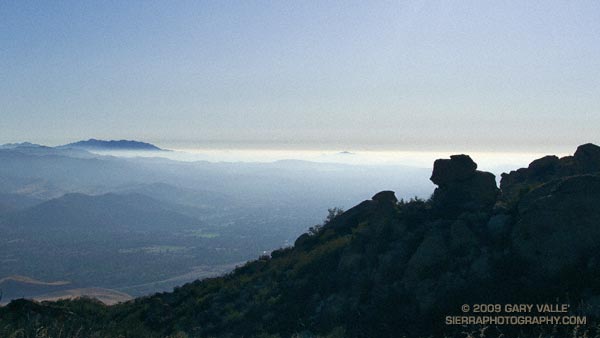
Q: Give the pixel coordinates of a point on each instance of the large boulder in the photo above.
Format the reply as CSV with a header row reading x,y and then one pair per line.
x,y
381,204
457,169
385,197
587,158
544,167
461,187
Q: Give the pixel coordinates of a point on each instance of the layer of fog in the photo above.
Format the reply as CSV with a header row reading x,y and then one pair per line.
x,y
495,162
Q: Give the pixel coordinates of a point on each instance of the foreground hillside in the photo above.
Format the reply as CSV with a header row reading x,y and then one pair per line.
x,y
386,268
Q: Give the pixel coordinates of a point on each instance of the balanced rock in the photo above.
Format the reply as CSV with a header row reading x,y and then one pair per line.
x,y
461,187
457,168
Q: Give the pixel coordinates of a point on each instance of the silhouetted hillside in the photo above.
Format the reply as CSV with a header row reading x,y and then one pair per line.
x,y
388,268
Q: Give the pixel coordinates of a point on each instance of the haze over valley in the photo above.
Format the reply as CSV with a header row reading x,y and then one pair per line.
x,y
83,217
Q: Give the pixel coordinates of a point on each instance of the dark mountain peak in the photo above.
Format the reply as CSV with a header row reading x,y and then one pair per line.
x,y
94,144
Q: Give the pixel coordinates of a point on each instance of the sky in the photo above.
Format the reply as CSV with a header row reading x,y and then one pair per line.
x,y
375,75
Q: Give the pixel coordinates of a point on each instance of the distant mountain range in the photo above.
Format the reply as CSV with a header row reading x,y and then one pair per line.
x,y
21,145
93,144
88,145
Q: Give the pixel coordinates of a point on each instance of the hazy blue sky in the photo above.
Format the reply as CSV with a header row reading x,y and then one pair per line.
x,y
352,74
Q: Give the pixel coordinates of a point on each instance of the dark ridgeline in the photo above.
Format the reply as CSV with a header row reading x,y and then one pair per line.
x,y
386,268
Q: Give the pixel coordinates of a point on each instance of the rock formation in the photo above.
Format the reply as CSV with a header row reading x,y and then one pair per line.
x,y
461,187
586,160
384,197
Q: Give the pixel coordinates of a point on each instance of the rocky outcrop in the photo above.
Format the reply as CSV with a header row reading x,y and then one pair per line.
x,y
461,187
586,160
385,197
